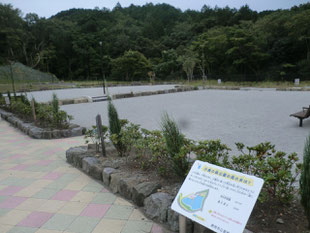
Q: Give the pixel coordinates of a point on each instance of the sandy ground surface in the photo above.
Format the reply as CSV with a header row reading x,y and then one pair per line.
x,y
44,96
250,117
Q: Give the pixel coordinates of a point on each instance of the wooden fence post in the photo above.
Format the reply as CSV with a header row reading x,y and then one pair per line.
x,y
99,131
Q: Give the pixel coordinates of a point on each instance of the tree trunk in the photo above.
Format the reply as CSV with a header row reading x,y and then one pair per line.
x,y
69,69
308,49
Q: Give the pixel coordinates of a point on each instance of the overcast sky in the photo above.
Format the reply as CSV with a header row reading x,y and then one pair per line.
x,y
47,8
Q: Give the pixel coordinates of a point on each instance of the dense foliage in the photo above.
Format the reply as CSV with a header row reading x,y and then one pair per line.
x,y
175,142
275,167
47,115
129,43
305,180
170,154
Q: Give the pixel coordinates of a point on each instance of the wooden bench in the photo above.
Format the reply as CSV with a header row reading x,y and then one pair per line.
x,y
305,113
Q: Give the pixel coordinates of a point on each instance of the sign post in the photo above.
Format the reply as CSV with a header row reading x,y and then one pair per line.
x,y
99,131
182,224
217,198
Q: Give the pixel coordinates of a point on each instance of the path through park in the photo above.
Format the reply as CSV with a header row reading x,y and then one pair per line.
x,y
40,192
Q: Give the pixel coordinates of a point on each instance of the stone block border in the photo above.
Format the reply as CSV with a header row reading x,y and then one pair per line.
x,y
135,187
40,133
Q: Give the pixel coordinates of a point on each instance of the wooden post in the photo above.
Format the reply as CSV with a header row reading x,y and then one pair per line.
x,y
99,130
33,111
182,224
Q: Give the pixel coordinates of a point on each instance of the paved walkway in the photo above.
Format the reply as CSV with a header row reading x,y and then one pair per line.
x,y
40,192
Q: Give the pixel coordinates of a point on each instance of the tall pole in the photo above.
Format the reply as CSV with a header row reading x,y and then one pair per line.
x,y
103,84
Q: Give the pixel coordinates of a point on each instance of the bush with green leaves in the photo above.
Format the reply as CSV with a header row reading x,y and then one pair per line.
x,y
55,103
91,135
275,167
305,180
212,151
21,109
125,140
2,100
47,117
175,142
152,152
115,127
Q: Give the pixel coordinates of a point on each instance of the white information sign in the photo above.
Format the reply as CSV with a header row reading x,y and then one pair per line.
x,y
217,198
7,100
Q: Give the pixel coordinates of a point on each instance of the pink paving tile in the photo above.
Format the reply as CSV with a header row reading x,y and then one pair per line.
x,y
95,210
17,156
44,162
35,219
64,195
13,140
12,202
104,190
50,152
52,176
10,190
24,144
20,167
156,229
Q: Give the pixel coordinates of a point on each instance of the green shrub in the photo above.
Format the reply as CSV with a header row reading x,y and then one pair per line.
x,y
2,100
273,166
21,109
130,133
152,152
47,117
92,134
175,141
212,151
115,128
114,122
55,103
305,180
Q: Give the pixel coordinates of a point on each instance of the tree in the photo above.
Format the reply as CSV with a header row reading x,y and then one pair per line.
x,y
11,33
168,66
189,61
133,65
210,49
302,31
244,52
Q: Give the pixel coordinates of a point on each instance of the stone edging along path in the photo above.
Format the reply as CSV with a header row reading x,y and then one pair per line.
x,y
136,187
41,133
87,99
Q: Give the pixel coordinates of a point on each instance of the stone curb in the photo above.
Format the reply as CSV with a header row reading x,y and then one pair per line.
x,y
134,187
40,133
87,99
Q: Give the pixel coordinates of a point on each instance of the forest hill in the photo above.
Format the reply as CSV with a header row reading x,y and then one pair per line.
x,y
161,41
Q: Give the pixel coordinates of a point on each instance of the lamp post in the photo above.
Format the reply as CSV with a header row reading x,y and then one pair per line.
x,y
103,85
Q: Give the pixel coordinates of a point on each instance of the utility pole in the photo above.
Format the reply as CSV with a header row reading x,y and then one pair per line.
x,y
103,83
